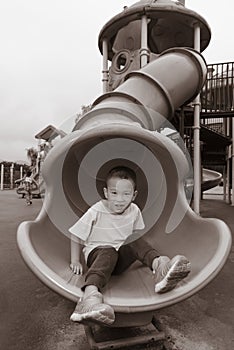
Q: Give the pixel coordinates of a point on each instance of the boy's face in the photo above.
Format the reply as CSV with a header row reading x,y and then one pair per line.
x,y
119,194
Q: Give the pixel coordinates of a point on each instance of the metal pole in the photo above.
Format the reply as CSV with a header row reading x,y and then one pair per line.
x,y
21,172
2,177
232,200
196,136
226,178
11,176
225,182
144,52
105,68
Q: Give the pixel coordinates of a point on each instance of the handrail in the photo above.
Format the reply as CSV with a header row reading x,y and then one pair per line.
x,y
218,92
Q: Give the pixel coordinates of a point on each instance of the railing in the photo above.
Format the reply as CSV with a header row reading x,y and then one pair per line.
x,y
218,92
215,124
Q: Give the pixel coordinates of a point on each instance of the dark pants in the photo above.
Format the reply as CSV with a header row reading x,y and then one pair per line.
x,y
28,196
105,261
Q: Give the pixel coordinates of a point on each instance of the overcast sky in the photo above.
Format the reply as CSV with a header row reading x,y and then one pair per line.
x,y
50,64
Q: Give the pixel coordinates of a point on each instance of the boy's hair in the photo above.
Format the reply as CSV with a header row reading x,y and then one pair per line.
x,y
122,172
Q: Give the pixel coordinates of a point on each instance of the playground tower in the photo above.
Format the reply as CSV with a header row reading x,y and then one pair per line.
x,y
138,34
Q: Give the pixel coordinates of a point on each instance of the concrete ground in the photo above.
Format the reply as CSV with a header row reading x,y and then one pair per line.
x,y
32,317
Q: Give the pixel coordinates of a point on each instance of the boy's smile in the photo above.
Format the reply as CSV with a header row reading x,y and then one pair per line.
x,y
119,194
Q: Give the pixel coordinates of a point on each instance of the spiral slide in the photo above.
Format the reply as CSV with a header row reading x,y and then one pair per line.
x,y
122,129
210,179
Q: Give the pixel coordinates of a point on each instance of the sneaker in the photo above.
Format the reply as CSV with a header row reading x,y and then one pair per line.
x,y
171,272
92,309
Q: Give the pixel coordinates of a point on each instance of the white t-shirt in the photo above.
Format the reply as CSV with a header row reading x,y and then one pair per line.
x,y
99,227
28,179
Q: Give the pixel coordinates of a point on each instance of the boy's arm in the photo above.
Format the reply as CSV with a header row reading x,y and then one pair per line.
x,y
34,181
80,232
76,248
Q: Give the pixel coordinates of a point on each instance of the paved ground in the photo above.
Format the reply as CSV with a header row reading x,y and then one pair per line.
x,y
32,317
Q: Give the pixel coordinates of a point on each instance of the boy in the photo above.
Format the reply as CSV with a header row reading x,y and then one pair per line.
x,y
105,230
28,187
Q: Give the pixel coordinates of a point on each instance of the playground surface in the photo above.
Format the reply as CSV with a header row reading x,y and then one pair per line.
x,y
32,317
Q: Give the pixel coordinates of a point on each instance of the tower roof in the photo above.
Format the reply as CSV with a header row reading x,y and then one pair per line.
x,y
171,24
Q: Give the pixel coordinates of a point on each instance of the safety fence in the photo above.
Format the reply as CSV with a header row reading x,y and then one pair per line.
x,y
218,95
9,173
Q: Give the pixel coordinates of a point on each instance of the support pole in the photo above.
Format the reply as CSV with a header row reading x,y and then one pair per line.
x,y
105,69
12,176
229,153
2,177
196,136
227,196
144,52
21,172
232,195
225,182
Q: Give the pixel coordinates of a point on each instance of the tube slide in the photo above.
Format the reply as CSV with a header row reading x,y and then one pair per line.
x,y
121,130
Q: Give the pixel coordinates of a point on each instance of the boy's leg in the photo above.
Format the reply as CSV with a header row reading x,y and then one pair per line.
x,y
30,196
27,197
140,250
168,272
90,308
101,263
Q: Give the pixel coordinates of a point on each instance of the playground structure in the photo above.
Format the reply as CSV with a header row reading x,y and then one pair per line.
x,y
217,120
216,124
142,90
45,138
37,184
9,173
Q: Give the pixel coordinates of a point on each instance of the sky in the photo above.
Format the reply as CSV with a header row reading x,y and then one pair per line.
x,y
50,64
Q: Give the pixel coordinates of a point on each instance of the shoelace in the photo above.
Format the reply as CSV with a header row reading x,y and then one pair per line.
x,y
83,307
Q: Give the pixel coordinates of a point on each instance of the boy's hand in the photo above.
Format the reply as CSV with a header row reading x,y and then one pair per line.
x,y
77,268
